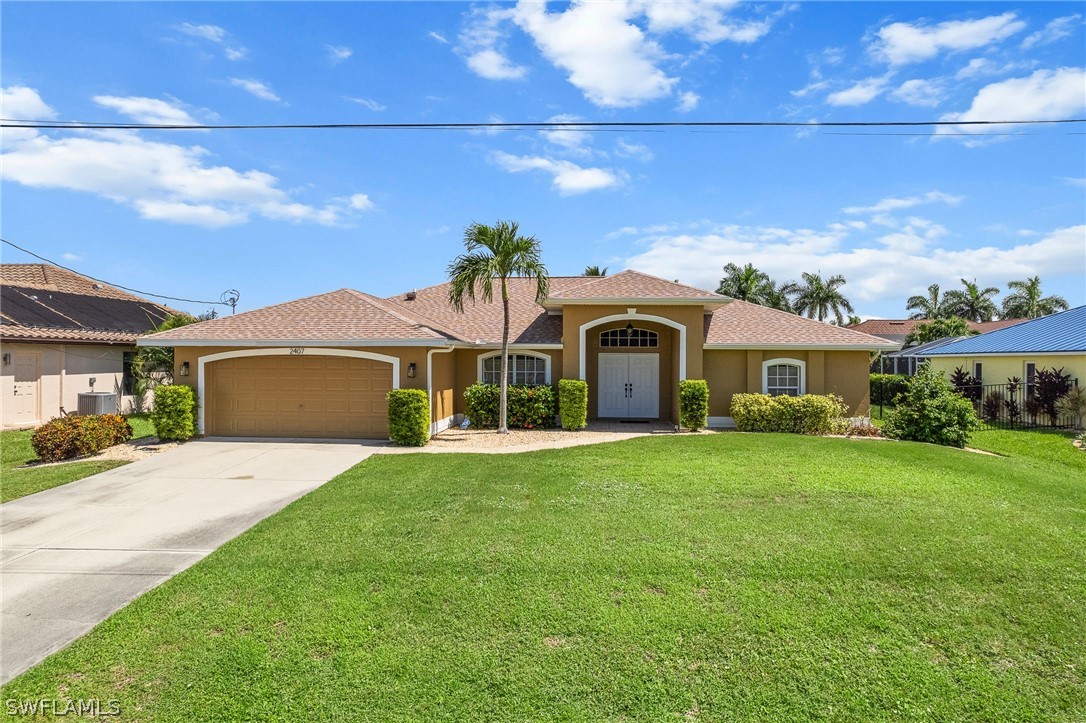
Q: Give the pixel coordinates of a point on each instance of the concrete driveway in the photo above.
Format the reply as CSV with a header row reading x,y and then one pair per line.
x,y
73,555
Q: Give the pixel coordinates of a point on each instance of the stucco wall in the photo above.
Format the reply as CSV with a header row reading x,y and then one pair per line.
x,y
667,351
467,369
65,370
997,369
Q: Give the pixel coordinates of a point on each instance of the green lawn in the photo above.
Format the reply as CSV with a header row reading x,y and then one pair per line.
x,y
709,577
15,451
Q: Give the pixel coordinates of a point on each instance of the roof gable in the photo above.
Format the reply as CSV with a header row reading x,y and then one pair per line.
x,y
1058,333
743,324
632,285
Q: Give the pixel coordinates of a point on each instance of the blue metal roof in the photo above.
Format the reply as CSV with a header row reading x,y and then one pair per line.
x,y
1062,332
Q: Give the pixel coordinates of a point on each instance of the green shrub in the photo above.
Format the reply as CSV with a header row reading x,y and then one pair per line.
x,y
409,417
807,414
67,437
1073,405
694,404
529,406
174,414
886,387
573,403
931,411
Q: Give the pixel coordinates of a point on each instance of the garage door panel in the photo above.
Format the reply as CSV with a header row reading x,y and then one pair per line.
x,y
298,396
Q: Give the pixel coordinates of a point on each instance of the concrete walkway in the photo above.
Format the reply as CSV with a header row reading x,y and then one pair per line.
x,y
73,555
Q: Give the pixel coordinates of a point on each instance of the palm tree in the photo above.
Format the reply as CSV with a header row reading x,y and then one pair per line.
x,y
932,306
972,302
1027,302
594,271
817,298
154,364
496,252
780,296
944,328
746,283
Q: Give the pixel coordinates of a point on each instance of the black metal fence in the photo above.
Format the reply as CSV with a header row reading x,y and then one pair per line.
x,y
1016,405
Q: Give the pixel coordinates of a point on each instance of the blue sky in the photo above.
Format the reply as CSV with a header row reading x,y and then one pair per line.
x,y
283,214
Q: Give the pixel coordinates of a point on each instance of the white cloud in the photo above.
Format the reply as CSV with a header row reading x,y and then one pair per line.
x,y
924,93
71,257
569,140
208,32
438,37
1057,29
492,65
161,181
567,177
1044,95
482,44
706,22
897,204
236,53
1074,181
256,88
338,53
625,149
367,103
146,110
22,103
876,268
688,101
902,43
361,202
861,92
813,87
978,67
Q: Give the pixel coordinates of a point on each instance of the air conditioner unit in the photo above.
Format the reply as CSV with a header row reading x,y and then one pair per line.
x,y
97,403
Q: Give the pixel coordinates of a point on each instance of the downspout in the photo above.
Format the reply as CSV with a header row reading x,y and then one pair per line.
x,y
430,380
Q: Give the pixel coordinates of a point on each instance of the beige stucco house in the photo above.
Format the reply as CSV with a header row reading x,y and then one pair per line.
x,y
58,331
321,366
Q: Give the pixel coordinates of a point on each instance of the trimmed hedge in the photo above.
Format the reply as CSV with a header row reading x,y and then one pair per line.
x,y
807,414
174,413
931,411
573,403
886,387
67,437
529,406
694,404
409,417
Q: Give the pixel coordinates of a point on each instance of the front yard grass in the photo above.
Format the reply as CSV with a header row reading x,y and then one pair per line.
x,y
714,577
15,451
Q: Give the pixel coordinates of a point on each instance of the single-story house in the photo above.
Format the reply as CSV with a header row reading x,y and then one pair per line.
x,y
321,366
1050,342
908,359
58,331
897,329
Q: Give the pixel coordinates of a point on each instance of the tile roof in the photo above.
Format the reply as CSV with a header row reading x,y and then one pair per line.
x,y
39,302
632,285
741,323
1062,332
343,315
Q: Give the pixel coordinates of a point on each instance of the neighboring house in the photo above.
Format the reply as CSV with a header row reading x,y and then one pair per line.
x,y
907,360
58,330
897,329
1050,342
321,366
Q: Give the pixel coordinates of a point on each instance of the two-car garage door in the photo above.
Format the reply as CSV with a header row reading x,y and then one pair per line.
x,y
297,396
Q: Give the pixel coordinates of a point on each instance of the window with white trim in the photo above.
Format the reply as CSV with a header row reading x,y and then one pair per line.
x,y
784,377
523,369
629,338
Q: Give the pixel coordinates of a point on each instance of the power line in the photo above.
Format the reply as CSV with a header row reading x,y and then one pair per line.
x,y
569,125
119,286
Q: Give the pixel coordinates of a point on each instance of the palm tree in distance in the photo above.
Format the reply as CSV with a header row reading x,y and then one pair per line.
x,y
972,302
1027,301
818,298
594,271
745,283
492,253
932,306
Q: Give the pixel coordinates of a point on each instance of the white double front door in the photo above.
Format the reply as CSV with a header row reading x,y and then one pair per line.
x,y
629,386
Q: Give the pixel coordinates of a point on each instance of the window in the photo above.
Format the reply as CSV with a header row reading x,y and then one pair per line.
x,y
128,379
629,337
784,377
978,371
523,369
1031,379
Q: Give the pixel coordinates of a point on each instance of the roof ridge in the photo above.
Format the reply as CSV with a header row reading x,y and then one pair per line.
x,y
805,318
635,272
380,304
670,281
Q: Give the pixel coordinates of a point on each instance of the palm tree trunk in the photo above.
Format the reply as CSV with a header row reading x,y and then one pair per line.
x,y
503,400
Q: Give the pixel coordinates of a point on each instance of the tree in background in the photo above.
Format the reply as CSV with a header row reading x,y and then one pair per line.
x,y
594,271
153,365
496,252
818,298
972,302
932,306
951,326
747,283
1028,302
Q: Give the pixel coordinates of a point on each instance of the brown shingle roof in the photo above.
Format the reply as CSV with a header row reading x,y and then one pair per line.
x,y
879,327
740,323
633,285
52,278
15,332
344,315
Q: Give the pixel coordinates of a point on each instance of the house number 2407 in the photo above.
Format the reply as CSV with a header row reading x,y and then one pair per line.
x,y
297,350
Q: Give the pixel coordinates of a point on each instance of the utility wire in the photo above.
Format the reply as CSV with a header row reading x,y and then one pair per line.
x,y
571,125
110,283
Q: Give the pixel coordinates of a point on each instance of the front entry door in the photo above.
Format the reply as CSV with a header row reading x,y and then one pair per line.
x,y
27,382
629,386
